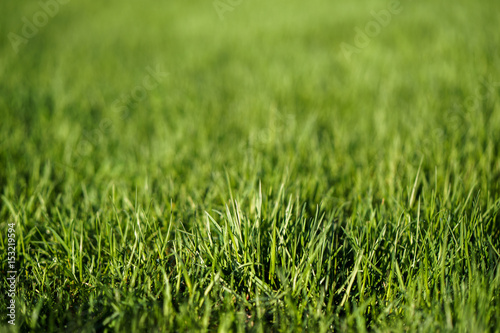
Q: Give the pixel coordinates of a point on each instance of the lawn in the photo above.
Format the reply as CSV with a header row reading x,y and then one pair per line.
x,y
233,166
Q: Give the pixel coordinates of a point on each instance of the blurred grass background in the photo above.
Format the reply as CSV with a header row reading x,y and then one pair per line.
x,y
229,78
264,95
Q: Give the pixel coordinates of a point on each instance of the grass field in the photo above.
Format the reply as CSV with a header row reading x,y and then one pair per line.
x,y
232,166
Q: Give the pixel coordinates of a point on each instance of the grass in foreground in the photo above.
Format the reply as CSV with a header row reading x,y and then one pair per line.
x,y
267,183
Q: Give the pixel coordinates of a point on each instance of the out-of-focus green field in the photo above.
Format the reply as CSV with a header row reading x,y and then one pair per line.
x,y
257,166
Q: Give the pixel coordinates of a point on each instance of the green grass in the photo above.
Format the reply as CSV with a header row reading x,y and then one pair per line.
x,y
268,183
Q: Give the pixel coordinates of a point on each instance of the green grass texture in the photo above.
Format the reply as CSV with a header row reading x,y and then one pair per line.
x,y
250,166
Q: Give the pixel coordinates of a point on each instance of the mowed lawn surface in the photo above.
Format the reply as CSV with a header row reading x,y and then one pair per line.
x,y
261,166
